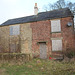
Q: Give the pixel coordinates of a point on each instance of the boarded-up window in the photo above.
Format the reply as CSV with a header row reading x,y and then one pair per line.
x,y
55,26
56,45
15,30
14,48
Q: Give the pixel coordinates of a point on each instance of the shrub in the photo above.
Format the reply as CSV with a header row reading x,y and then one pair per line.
x,y
35,54
70,53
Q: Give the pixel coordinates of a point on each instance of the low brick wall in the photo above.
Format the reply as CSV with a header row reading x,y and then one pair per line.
x,y
15,57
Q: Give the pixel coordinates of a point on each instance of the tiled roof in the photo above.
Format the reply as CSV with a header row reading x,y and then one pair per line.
x,y
65,12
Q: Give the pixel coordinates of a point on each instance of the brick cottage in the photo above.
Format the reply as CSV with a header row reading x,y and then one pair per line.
x,y
42,34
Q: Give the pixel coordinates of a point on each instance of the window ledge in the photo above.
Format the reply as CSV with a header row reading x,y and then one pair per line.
x,y
42,42
57,51
55,32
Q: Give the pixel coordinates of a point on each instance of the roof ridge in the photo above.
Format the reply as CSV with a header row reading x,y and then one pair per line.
x,y
37,14
53,10
59,13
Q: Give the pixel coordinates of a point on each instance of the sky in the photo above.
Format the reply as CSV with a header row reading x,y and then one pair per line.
x,y
10,9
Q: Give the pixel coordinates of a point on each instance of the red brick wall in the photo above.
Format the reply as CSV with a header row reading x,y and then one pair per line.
x,y
41,31
67,33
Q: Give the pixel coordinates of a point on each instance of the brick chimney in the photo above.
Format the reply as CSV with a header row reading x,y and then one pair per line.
x,y
35,9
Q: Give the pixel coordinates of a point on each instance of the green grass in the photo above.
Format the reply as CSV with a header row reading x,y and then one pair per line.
x,y
43,67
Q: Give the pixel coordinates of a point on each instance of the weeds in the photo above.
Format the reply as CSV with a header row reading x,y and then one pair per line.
x,y
38,67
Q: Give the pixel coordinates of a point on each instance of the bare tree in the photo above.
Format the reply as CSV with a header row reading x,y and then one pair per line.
x,y
59,5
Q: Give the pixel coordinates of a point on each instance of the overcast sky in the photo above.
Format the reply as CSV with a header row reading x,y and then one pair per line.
x,y
10,9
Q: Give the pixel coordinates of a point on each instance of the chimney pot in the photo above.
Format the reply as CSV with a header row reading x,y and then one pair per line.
x,y
35,9
35,4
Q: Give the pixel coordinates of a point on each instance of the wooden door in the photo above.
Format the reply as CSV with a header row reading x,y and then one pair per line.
x,y
43,51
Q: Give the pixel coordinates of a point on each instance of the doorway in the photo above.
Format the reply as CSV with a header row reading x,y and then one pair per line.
x,y
43,50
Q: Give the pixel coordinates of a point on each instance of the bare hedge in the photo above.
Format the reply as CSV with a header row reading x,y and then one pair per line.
x,y
15,57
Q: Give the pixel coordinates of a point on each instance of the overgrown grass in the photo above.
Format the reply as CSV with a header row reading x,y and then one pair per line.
x,y
38,67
